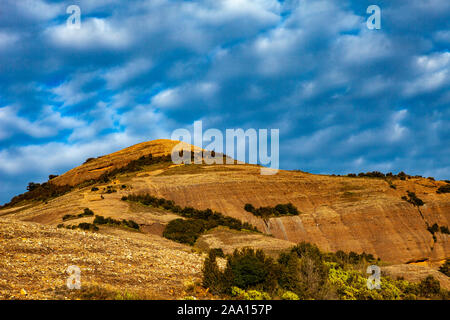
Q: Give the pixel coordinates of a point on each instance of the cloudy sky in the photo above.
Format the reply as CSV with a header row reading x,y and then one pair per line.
x,y
345,98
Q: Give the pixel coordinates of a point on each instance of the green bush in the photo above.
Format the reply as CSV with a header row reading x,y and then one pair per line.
x,y
429,287
433,229
249,295
266,212
100,220
185,231
289,295
444,189
197,222
444,229
218,252
39,192
304,272
413,199
212,276
86,213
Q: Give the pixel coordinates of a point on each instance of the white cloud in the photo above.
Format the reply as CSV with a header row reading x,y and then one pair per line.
x,y
432,73
72,92
167,98
120,75
94,33
7,40
40,9
49,123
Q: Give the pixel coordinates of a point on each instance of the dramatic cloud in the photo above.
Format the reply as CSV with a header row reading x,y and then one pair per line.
x,y
345,98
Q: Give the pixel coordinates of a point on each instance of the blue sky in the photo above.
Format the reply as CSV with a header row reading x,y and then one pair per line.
x,y
345,98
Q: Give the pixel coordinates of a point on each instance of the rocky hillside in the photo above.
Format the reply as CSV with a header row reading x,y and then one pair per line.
x,y
336,213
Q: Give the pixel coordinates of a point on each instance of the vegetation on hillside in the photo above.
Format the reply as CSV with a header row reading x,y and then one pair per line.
x,y
133,166
100,220
444,189
85,226
86,213
39,192
268,212
436,228
197,221
413,199
445,268
305,272
377,174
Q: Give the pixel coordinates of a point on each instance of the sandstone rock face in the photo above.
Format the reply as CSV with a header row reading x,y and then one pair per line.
x,y
337,213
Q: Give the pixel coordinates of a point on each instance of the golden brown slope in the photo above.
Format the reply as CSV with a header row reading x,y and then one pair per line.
x,y
34,258
97,166
338,213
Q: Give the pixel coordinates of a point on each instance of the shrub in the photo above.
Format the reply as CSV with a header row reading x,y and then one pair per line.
x,y
68,217
429,287
249,208
249,295
184,231
304,271
444,229
444,189
94,189
413,199
197,222
88,160
445,268
87,226
52,176
112,222
212,276
218,252
248,268
39,192
279,210
433,229
87,213
289,295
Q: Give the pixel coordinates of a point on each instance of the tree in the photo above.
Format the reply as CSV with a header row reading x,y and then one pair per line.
x,y
32,186
212,276
429,286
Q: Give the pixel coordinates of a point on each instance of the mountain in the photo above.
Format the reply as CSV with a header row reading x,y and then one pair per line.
x,y
389,217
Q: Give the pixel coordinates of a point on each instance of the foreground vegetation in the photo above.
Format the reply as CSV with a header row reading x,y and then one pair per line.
x,y
305,272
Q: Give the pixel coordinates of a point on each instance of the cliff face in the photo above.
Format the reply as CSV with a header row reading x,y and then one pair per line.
x,y
337,213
